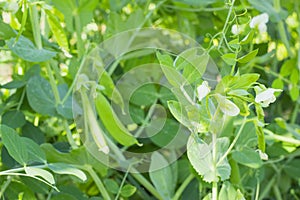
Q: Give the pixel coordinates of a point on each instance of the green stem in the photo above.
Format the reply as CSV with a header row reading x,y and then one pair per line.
x,y
4,186
140,178
122,183
98,182
281,29
214,157
182,187
80,45
53,84
277,192
69,136
34,17
233,142
273,136
226,23
257,190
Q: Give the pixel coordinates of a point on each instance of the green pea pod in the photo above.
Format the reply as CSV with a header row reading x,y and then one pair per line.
x,y
112,122
93,125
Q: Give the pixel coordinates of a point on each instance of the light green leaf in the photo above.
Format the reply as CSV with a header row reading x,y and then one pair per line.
x,y
247,157
14,144
40,96
47,176
294,92
179,113
162,178
278,84
6,32
248,57
26,50
128,190
200,156
287,67
57,30
62,168
229,58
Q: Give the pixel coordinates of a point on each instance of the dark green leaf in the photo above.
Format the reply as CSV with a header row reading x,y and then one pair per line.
x,y
26,50
40,96
14,144
247,157
14,119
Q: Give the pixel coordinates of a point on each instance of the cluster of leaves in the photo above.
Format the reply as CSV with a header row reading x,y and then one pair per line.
x,y
44,43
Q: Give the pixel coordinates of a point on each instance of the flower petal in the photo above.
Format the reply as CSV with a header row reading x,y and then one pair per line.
x,y
203,90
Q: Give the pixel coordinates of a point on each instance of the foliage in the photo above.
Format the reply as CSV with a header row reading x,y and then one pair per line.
x,y
240,143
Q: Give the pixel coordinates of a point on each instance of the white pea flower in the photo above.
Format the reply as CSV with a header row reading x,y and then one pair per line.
x,y
236,29
203,90
265,97
260,22
227,106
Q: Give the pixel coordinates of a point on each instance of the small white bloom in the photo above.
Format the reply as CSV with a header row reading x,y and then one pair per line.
x,y
265,97
259,22
203,90
262,155
227,106
236,29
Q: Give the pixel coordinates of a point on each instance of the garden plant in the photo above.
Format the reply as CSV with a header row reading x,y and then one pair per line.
x,y
148,99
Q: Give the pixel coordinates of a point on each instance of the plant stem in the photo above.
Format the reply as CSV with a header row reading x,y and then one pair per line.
x,y
53,84
225,25
34,17
69,135
122,183
5,185
233,142
98,182
80,45
182,187
214,157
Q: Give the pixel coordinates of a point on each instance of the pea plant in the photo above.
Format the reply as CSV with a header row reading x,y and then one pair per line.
x,y
146,99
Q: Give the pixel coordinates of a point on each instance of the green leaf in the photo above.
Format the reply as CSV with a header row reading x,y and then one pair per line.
x,y
247,157
128,190
245,81
80,156
40,96
294,78
248,57
287,67
162,178
35,153
228,192
26,50
111,185
145,95
57,30
292,169
278,84
294,92
14,144
173,76
6,32
63,168
179,113
193,62
248,38
229,58
14,119
200,156
47,176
